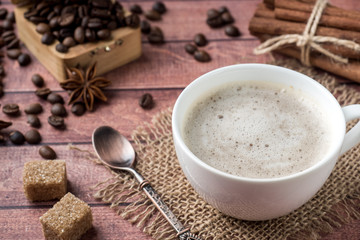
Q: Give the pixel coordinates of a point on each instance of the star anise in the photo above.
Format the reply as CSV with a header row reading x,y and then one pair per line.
x,y
85,86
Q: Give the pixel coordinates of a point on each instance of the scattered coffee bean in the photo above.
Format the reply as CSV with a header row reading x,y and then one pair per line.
x,y
47,152
42,92
2,138
78,108
132,21
61,48
146,101
24,59
4,124
200,40
153,15
212,13
32,136
69,42
227,18
215,22
223,9
48,38
232,31
11,109
202,56
58,109
145,27
156,36
42,28
16,137
55,98
7,25
3,13
56,121
13,53
33,120
33,108
11,16
37,80
159,7
190,48
136,9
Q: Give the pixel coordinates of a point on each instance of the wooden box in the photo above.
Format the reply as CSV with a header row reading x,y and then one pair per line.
x,y
124,46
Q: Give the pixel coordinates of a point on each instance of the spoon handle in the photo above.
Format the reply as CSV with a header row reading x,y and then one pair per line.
x,y
182,232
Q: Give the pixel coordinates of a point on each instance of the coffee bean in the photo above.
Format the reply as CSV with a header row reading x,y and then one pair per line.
x,y
223,9
83,11
56,121
66,19
85,21
2,138
232,31
227,18
55,98
78,108
50,15
156,36
42,92
13,53
9,37
33,108
36,19
146,101
48,38
61,48
145,27
16,137
190,48
42,28
54,23
11,16
65,32
24,59
103,34
136,9
13,44
47,152
95,23
79,34
11,109
100,13
200,40
7,25
215,22
153,15
159,7
202,56
37,80
32,136
69,41
132,21
58,109
100,3
69,9
33,120
3,13
90,35
4,124
212,13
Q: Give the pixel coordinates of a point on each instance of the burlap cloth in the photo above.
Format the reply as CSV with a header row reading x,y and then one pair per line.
x,y
157,162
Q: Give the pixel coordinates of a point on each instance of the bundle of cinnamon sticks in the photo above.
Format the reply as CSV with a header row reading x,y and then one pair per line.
x,y
280,17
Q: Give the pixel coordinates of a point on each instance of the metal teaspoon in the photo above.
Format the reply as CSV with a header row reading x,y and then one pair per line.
x,y
116,152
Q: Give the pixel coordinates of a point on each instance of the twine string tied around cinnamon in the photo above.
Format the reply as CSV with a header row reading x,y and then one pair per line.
x,y
308,40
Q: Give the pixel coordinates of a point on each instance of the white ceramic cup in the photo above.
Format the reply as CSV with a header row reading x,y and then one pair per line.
x,y
261,199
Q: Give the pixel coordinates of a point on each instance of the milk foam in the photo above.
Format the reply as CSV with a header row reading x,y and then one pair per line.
x,y
257,130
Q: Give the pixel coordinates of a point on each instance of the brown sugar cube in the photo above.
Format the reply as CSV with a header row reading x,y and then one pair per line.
x,y
68,219
44,180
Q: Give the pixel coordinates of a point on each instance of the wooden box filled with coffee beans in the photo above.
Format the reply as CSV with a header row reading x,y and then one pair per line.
x,y
78,33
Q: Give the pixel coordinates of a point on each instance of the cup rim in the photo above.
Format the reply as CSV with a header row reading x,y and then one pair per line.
x,y
177,132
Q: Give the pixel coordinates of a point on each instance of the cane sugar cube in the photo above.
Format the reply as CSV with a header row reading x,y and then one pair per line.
x,y
45,180
68,219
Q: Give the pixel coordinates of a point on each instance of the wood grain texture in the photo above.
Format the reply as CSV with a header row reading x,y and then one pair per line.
x,y
162,70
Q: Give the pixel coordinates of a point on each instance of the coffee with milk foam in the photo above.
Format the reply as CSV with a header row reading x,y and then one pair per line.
x,y
257,130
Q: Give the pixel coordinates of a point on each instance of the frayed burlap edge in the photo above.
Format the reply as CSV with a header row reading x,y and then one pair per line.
x,y
335,204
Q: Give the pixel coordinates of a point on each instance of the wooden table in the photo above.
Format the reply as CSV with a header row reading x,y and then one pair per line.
x,y
162,70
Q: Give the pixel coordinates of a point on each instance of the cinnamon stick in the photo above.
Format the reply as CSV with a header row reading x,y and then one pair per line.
x,y
350,70
345,23
308,7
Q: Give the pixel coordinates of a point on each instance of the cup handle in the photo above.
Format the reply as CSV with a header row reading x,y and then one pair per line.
x,y
352,137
